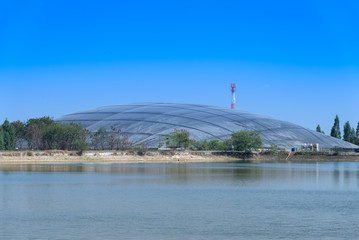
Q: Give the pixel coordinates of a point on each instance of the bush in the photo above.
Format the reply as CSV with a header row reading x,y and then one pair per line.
x,y
212,145
29,153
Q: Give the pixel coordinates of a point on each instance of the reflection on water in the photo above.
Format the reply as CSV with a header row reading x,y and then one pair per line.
x,y
180,201
327,175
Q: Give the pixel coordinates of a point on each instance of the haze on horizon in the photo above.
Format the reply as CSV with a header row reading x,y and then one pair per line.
x,y
294,61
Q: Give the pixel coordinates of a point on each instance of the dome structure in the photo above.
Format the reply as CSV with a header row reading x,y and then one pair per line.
x,y
149,123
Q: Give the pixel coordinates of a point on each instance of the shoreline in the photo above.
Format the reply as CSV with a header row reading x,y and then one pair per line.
x,y
127,157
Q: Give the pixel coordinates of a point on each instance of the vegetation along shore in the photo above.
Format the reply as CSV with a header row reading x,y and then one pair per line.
x,y
44,141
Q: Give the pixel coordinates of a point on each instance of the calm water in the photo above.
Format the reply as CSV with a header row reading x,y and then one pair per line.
x,y
186,201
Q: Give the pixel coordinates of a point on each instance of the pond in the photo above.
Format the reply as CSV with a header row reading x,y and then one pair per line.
x,y
180,201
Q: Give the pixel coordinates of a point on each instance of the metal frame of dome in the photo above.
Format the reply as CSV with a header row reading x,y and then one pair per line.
x,y
149,123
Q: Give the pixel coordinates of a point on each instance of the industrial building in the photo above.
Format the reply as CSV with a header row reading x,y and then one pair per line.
x,y
149,123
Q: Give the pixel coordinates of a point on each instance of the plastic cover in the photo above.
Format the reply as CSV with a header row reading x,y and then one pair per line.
x,y
149,123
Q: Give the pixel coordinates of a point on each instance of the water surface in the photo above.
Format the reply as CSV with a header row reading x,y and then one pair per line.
x,y
184,201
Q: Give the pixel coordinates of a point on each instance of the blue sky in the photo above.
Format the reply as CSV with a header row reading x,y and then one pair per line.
x,y
293,60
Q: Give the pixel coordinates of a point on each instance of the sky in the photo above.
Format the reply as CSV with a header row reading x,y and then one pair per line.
x,y
296,61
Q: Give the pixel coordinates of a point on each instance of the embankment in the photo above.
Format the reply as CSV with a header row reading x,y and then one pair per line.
x,y
118,157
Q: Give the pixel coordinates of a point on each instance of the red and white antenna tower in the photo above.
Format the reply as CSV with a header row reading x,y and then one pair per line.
x,y
233,105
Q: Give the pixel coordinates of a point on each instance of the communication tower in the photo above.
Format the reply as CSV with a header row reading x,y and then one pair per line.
x,y
233,86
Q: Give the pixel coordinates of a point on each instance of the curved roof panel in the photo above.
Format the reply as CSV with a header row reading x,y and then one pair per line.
x,y
148,123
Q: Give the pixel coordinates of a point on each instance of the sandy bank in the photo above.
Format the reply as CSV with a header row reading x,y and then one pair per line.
x,y
111,157
106,157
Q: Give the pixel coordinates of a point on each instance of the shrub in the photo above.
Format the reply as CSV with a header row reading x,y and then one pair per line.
x,y
29,153
212,145
81,147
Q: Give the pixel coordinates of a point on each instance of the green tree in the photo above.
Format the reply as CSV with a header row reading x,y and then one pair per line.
x,y
35,128
335,132
81,147
7,141
201,145
72,136
178,139
9,136
61,136
44,133
6,128
357,132
219,145
2,147
319,129
12,138
212,145
223,145
246,141
347,129
352,137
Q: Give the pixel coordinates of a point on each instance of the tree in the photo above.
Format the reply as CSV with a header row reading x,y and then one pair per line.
x,y
35,128
319,129
12,138
357,132
246,141
100,137
352,137
347,129
178,139
335,132
81,146
20,133
114,138
9,136
2,147
44,133
64,136
123,142
201,145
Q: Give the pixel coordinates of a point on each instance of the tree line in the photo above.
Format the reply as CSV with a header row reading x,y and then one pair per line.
x,y
350,134
45,133
245,141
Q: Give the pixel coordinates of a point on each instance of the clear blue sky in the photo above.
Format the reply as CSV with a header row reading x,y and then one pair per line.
x,y
293,60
